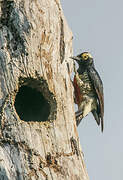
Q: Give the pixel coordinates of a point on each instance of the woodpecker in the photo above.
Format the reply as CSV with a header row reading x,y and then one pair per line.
x,y
88,88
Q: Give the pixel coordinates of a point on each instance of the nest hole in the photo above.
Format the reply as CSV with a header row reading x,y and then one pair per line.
x,y
31,105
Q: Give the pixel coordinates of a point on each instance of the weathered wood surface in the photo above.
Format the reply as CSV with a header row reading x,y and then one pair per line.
x,y
35,46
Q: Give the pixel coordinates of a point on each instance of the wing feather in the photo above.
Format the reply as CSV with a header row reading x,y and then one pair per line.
x,y
98,86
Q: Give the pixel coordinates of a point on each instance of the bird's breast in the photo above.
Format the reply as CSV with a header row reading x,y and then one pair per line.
x,y
82,86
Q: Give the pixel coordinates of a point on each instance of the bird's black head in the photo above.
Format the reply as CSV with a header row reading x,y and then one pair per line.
x,y
84,59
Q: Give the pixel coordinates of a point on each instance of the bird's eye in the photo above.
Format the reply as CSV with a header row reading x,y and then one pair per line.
x,y
85,56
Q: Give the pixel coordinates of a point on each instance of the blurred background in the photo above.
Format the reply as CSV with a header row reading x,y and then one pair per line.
x,y
97,27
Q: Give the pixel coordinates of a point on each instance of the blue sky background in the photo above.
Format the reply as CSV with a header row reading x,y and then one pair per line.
x,y
97,27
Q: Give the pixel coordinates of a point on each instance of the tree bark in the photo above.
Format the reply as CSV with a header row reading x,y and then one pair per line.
x,y
38,133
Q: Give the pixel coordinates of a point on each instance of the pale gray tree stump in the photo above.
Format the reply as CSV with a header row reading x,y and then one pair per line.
x,y
38,133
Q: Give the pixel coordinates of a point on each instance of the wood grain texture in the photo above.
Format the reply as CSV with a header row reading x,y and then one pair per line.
x,y
35,46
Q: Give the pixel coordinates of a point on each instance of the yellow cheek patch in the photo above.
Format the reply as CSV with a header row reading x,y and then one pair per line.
x,y
85,56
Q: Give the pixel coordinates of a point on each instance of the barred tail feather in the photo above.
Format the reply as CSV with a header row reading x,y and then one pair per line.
x,y
97,118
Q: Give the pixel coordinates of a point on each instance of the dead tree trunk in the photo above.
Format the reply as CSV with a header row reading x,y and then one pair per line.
x,y
38,134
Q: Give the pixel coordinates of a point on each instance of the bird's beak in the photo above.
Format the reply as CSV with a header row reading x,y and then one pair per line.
x,y
76,58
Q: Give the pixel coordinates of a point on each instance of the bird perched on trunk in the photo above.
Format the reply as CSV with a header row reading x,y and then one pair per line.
x,y
88,89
